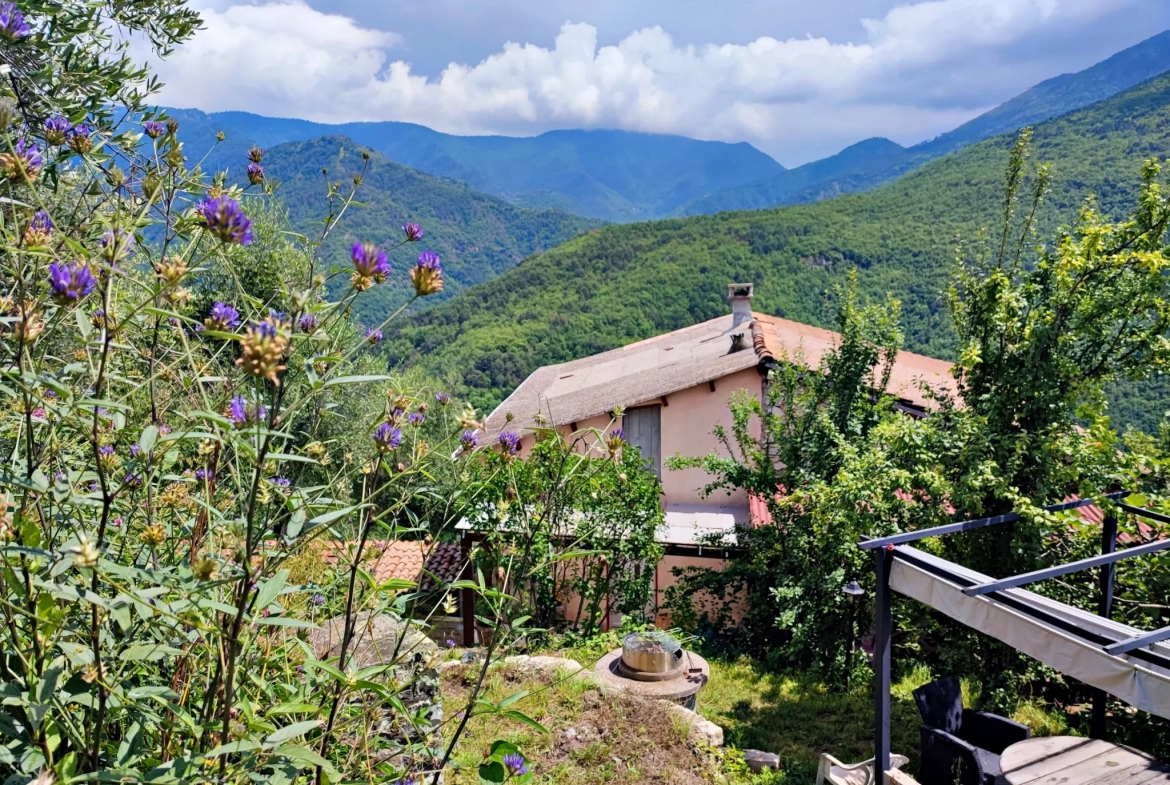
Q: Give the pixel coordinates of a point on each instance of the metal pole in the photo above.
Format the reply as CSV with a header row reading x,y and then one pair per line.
x,y
1104,608
852,638
883,629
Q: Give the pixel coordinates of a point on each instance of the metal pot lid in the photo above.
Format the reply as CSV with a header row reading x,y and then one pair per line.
x,y
651,642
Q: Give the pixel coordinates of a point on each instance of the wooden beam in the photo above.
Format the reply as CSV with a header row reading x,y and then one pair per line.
x,y
712,383
665,403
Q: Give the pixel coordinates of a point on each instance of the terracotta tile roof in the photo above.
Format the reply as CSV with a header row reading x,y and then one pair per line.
x,y
674,361
780,339
443,566
432,565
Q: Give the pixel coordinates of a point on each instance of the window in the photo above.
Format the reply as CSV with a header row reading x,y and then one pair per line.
x,y
643,428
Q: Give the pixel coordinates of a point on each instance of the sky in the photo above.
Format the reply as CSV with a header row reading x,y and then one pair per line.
x,y
799,79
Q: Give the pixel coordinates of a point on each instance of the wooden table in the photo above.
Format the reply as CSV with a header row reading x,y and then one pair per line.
x,y
1069,760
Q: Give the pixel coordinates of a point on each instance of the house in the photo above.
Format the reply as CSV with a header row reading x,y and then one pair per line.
x,y
672,390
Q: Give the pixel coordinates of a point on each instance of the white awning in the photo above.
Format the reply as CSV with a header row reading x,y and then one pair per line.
x,y
1141,684
694,524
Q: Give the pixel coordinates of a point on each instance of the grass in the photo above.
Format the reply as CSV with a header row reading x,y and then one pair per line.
x,y
622,739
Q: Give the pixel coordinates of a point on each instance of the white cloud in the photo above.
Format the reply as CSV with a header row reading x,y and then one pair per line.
x,y
796,98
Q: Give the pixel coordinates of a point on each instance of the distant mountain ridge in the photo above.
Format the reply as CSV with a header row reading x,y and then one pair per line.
x,y
611,175
874,161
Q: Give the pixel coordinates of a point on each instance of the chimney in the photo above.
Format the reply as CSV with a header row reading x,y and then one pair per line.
x,y
740,295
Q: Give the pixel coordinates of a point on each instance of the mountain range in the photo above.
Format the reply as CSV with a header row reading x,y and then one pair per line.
x,y
623,176
626,282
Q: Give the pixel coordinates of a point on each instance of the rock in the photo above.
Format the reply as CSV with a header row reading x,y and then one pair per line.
x,y
469,658
699,729
381,639
377,638
570,733
759,760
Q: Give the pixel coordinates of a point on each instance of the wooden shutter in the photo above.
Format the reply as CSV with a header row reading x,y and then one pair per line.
x,y
643,427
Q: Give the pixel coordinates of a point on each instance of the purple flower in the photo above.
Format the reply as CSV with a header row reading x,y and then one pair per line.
x,y
427,275
309,322
442,398
116,243
23,163
515,764
70,282
374,336
163,430
133,481
281,482
369,261
318,599
55,129
413,232
243,413
280,316
135,449
468,440
12,24
255,173
40,229
80,138
510,442
387,437
154,128
617,434
265,329
204,475
256,154
450,643
223,317
416,418
106,450
225,219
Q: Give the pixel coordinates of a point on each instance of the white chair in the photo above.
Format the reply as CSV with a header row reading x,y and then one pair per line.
x,y
835,772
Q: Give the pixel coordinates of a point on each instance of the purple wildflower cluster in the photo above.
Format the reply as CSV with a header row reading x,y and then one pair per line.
x,y
416,418
413,232
374,336
427,274
510,442
204,475
387,437
370,261
40,229
515,764
23,162
242,413
80,138
223,318
308,322
154,128
55,129
71,282
223,217
12,24
442,398
468,440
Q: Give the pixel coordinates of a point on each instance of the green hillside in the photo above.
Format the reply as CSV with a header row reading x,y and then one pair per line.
x,y
477,235
622,283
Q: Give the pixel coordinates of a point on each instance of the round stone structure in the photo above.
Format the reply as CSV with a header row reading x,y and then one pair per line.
x,y
687,681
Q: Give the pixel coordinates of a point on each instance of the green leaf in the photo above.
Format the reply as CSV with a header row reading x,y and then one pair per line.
x,y
291,732
270,590
516,696
500,748
294,708
148,438
286,621
304,754
333,515
520,716
492,773
357,379
147,651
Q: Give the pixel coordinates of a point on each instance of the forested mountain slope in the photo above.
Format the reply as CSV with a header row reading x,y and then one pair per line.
x,y
623,283
478,236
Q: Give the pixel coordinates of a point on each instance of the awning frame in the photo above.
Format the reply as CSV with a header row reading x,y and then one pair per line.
x,y
896,547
